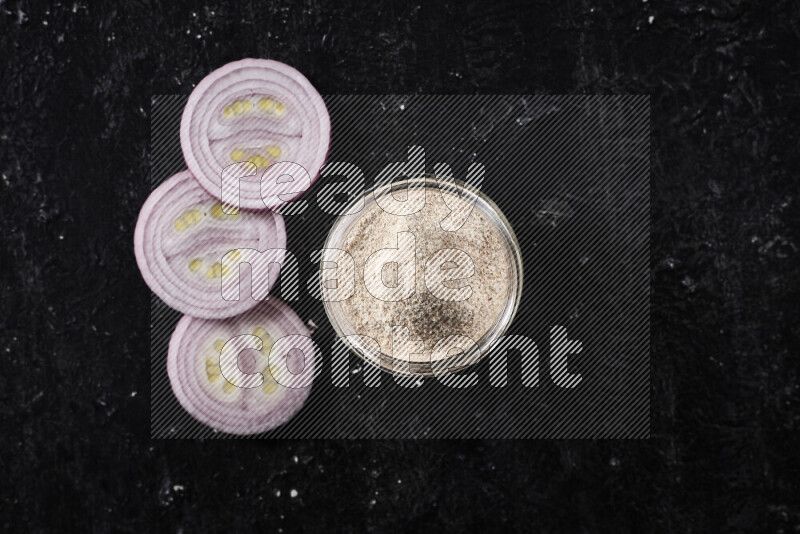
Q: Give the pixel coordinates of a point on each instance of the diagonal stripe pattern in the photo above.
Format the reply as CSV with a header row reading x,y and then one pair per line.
x,y
571,174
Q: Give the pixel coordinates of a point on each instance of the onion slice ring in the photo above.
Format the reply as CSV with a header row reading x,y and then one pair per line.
x,y
180,239
194,366
261,111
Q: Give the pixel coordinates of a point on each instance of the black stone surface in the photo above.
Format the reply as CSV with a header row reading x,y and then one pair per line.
x,y
723,79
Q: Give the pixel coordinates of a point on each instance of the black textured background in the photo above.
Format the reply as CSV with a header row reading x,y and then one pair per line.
x,y
723,79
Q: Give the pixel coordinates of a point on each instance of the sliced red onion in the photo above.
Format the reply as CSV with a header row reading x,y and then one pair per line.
x,y
181,237
255,110
197,374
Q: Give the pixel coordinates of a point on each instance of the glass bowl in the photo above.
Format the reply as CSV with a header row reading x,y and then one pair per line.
x,y
344,328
